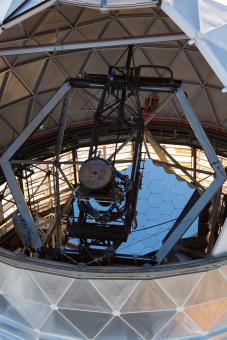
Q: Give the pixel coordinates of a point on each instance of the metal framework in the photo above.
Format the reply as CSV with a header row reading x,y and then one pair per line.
x,y
98,81
220,177
9,174
204,88
121,83
41,188
89,45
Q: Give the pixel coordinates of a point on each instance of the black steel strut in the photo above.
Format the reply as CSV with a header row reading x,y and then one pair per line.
x,y
97,125
101,109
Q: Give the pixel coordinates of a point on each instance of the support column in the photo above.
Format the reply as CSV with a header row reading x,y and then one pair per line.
x,y
58,150
220,248
36,242
220,177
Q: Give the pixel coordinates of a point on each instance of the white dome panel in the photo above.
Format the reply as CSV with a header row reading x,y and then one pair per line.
x,y
205,22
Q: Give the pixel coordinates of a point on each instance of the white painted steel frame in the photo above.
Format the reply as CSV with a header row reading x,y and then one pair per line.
x,y
220,177
28,14
107,5
93,44
36,242
220,247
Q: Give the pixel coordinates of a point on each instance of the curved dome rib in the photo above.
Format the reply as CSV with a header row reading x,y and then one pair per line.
x,y
28,81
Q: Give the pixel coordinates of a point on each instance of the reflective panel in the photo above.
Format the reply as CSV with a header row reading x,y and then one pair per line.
x,y
21,285
82,295
179,327
221,323
207,314
161,199
210,287
148,324
179,287
188,305
115,292
57,324
118,329
148,296
52,286
35,313
9,312
83,320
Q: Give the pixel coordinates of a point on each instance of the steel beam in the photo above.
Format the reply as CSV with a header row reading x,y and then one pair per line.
x,y
26,15
172,165
121,147
34,124
64,211
58,150
200,133
96,44
62,124
220,248
71,162
156,146
220,177
160,150
36,242
214,219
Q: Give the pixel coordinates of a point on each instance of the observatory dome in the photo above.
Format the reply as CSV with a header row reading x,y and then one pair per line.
x,y
132,94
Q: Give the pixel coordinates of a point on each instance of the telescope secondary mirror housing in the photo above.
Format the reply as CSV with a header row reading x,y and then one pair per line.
x,y
96,174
